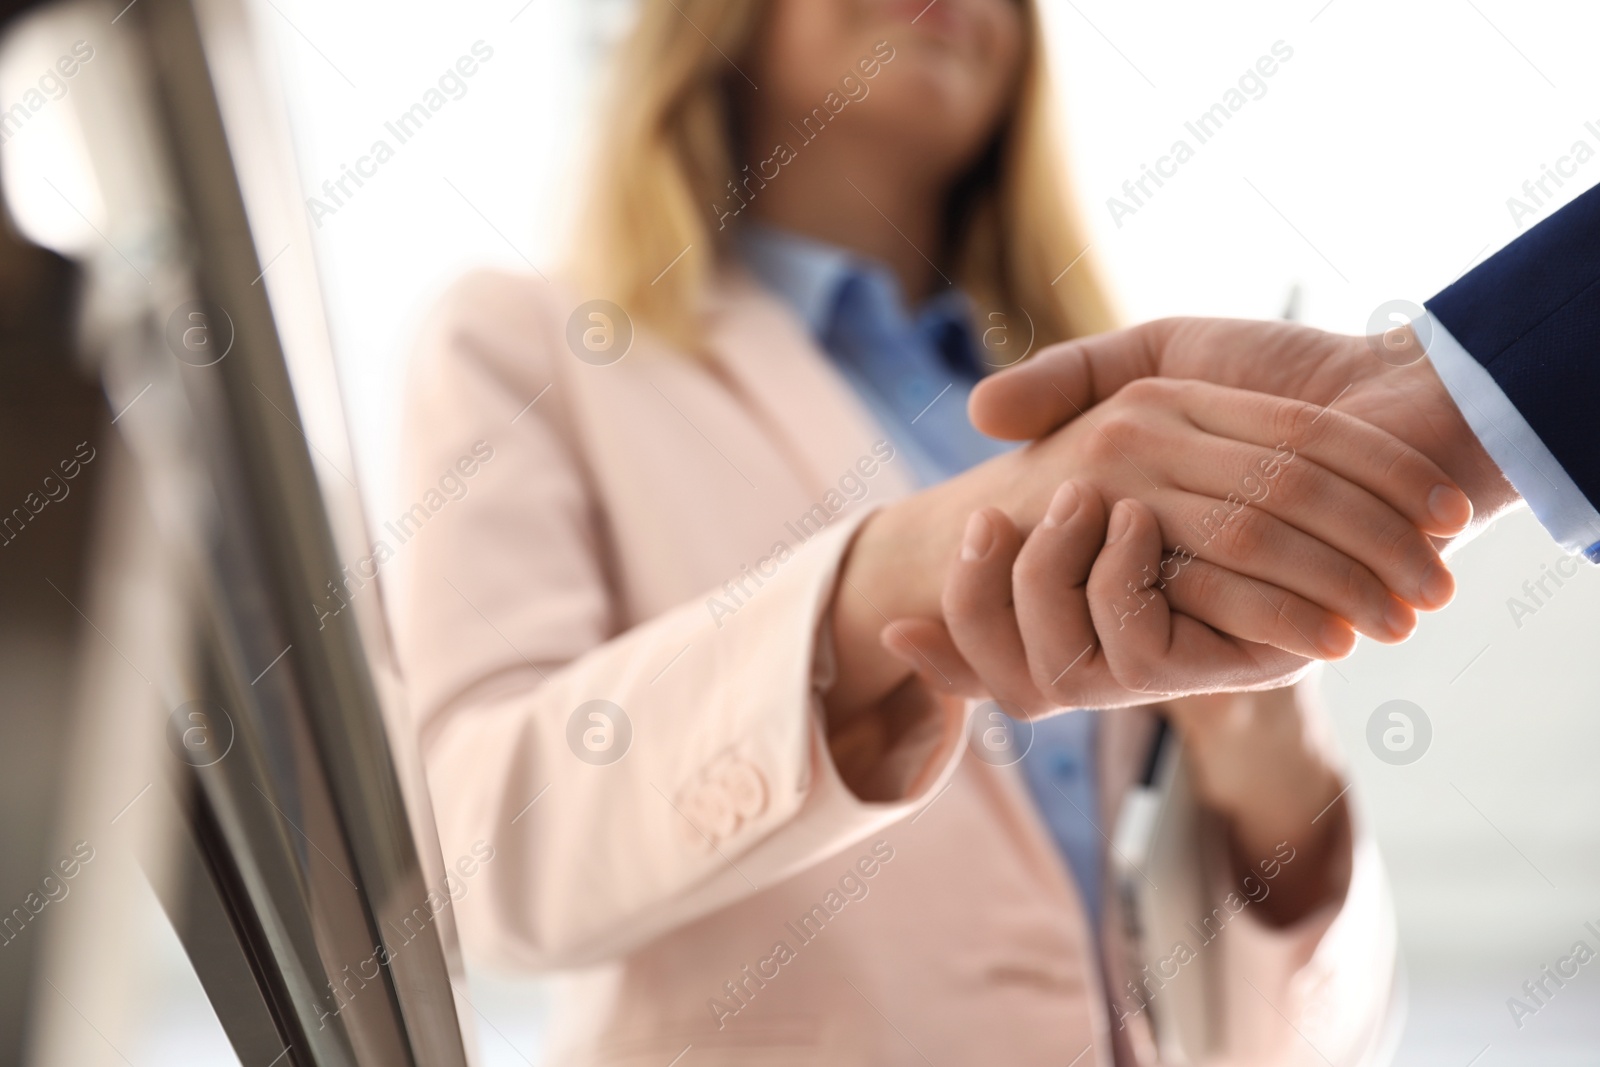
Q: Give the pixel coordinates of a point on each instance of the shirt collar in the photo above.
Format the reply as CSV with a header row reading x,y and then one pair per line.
x,y
806,273
809,275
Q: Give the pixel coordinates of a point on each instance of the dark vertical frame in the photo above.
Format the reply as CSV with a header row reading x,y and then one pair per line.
x,y
300,858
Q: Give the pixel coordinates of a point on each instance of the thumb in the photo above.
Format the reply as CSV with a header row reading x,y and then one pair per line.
x,y
1059,383
925,645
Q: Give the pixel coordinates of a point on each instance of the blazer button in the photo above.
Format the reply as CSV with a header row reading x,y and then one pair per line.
x,y
746,788
717,807
699,822
711,812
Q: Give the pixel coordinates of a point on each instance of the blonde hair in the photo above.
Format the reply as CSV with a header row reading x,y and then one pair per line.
x,y
668,156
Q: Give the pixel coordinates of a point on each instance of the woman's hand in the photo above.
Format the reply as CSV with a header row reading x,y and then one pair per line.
x,y
1259,530
1051,621
1015,607
1263,763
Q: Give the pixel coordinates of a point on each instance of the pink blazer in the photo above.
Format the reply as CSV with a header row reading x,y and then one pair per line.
x,y
662,534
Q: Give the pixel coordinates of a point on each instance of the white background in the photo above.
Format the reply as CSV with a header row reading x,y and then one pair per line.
x,y
1377,166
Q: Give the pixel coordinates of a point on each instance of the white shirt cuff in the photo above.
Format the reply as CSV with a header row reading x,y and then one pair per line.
x,y
1528,465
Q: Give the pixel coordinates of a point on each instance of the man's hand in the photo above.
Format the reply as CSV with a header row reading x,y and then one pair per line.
x,y
1383,380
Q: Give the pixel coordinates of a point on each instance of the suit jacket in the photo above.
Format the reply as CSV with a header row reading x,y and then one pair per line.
x,y
1530,315
662,534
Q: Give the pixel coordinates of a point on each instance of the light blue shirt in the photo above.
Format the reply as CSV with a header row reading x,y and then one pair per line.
x,y
913,370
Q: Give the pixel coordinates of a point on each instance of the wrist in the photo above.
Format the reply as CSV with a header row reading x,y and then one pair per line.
x,y
1256,758
897,564
1292,811
1313,863
881,578
1448,439
895,568
877,706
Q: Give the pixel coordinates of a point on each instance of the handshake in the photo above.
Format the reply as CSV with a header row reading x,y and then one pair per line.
x,y
1204,505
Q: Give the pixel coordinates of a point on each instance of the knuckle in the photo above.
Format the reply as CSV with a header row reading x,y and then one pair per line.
x,y
1280,621
1148,391
1099,448
1301,482
1275,600
1122,428
1295,421
1399,541
1248,534
1399,463
1198,583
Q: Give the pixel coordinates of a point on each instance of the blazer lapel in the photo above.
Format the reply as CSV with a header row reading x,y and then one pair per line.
x,y
761,350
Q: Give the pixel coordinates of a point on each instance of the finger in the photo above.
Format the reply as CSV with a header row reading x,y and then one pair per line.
x,y
1153,650
1363,490
1326,565
1253,543
1063,381
1251,610
1049,582
925,645
1361,453
1328,507
978,610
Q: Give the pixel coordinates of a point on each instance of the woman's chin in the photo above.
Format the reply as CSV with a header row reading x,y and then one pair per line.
x,y
944,95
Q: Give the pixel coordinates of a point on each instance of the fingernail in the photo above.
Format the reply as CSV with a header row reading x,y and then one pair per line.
x,y
1121,519
1063,505
1449,506
1438,586
1400,619
979,536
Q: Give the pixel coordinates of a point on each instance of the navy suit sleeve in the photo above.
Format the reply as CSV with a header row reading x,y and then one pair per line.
x,y
1530,315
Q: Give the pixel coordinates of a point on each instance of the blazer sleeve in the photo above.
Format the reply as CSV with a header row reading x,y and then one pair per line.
x,y
1225,988
1517,342
1319,991
623,781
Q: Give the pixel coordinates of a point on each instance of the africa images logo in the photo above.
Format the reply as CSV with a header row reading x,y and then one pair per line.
x,y
1399,732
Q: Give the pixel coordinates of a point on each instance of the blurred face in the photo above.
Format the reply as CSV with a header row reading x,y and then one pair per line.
x,y
930,79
